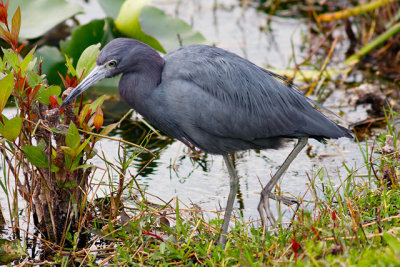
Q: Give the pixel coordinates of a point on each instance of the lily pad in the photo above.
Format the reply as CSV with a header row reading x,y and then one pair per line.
x,y
53,63
170,32
111,7
40,16
96,31
127,23
154,27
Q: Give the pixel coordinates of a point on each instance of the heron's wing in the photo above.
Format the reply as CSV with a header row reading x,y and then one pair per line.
x,y
227,96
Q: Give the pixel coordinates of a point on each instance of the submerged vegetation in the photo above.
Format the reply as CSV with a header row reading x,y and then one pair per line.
x,y
63,209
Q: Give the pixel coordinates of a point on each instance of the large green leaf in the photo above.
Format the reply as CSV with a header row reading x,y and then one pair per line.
x,y
36,156
170,32
127,23
96,31
53,62
111,7
6,85
40,16
155,28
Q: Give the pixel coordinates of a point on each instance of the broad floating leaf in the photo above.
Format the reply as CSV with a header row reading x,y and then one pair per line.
x,y
111,7
170,32
53,62
96,31
146,23
41,16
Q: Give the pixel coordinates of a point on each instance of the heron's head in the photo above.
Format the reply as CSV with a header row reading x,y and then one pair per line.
x,y
121,55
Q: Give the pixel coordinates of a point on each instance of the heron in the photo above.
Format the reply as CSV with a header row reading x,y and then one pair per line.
x,y
215,100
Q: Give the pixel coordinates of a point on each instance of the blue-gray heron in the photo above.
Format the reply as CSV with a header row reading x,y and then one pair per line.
x,y
215,100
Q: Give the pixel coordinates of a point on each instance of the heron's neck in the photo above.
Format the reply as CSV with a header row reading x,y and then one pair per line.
x,y
137,85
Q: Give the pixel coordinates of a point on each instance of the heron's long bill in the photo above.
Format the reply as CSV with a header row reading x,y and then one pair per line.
x,y
97,74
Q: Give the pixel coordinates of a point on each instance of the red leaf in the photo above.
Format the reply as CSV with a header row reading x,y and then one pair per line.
x,y
3,12
6,36
152,234
88,114
21,46
333,215
53,101
32,93
32,116
63,80
295,247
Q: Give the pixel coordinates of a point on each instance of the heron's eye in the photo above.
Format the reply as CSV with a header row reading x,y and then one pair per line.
x,y
111,64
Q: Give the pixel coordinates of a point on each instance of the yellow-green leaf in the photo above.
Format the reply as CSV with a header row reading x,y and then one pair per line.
x,y
87,61
12,128
106,130
69,151
127,22
6,85
10,251
83,145
72,139
16,23
69,66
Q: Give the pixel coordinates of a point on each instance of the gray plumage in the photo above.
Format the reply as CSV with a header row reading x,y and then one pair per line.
x,y
214,100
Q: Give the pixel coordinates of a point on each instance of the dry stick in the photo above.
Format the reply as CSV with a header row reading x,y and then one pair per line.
x,y
382,220
82,216
297,67
119,140
323,66
393,230
64,236
47,189
41,239
137,174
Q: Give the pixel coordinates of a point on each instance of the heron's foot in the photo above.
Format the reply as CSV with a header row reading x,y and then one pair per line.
x,y
264,206
221,240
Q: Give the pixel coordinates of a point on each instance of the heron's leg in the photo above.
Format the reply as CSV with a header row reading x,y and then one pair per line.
x,y
288,201
234,183
266,193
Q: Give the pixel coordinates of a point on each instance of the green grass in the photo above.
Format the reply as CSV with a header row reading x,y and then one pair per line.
x,y
355,223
